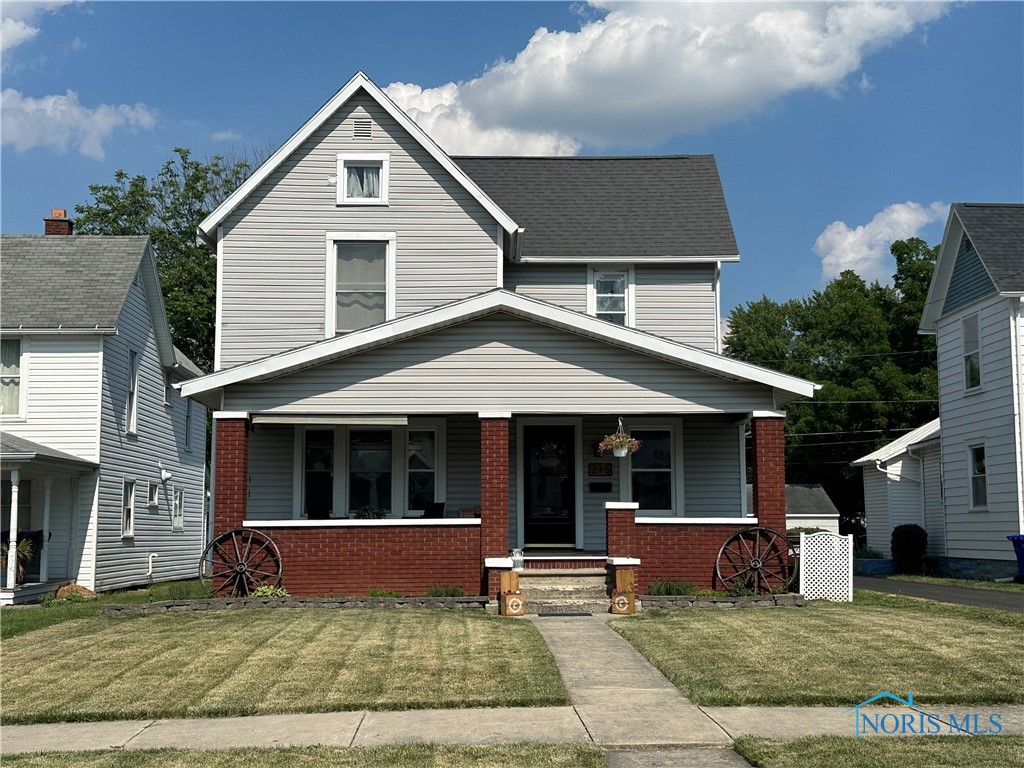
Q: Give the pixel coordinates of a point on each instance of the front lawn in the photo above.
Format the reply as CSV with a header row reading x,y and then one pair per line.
x,y
885,752
971,584
412,756
836,654
252,662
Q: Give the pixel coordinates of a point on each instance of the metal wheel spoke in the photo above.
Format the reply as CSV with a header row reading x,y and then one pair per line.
x,y
235,569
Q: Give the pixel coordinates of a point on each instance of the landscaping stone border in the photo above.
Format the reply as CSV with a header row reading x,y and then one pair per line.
x,y
679,602
478,603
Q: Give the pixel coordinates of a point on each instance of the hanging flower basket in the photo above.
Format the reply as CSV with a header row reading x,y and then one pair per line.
x,y
620,444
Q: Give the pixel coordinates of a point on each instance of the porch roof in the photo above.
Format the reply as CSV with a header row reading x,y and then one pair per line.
x,y
18,450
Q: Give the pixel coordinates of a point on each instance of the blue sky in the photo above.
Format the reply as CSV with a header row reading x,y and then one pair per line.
x,y
837,128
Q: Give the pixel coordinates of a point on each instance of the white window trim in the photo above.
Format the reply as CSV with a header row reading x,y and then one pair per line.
x,y
178,509
128,532
355,158
131,421
332,239
23,362
154,494
675,431
972,506
963,352
628,269
399,465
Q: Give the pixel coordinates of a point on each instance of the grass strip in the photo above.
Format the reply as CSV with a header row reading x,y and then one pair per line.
x,y
885,752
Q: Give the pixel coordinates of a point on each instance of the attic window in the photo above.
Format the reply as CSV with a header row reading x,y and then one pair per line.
x,y
362,129
363,178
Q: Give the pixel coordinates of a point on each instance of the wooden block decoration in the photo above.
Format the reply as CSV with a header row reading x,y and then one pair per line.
x,y
623,604
512,605
509,581
625,580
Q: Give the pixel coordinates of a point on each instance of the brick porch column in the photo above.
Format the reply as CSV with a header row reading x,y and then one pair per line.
x,y
769,460
231,474
494,479
620,528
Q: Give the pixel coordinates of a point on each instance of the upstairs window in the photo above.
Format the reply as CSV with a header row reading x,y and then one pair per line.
x,y
132,409
10,377
972,353
178,510
363,178
128,509
361,277
188,425
610,295
979,477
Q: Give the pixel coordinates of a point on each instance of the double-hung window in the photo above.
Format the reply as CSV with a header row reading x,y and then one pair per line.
x,y
422,468
128,509
361,282
178,510
132,409
363,178
610,294
978,475
972,352
10,377
651,474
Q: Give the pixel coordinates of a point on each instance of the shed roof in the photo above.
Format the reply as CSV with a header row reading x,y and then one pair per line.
x,y
922,434
636,208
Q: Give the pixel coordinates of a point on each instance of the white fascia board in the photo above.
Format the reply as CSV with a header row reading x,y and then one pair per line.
x,y
666,259
157,309
500,301
950,246
21,330
207,228
924,434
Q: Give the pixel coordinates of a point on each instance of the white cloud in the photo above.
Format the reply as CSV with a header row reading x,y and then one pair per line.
x,y
19,22
647,71
227,135
865,249
62,122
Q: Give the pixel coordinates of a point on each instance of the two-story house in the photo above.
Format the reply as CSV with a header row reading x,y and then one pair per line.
x,y
103,461
961,477
418,354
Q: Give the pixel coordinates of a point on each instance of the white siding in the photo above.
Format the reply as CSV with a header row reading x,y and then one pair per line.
x,y
499,363
274,272
934,517
160,438
712,467
561,284
678,302
876,511
63,397
984,416
905,492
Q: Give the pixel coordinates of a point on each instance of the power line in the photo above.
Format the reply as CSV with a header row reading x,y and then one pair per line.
x,y
858,402
845,357
836,442
853,432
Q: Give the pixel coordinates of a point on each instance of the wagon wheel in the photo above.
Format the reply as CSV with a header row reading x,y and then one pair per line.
x,y
237,562
755,558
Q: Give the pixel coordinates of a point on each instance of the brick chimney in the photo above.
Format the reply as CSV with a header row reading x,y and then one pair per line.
x,y
58,223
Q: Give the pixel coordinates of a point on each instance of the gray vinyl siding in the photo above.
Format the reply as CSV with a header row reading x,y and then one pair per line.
x,y
561,284
160,438
271,473
594,430
876,511
499,363
273,290
677,302
969,281
711,465
63,394
934,515
983,416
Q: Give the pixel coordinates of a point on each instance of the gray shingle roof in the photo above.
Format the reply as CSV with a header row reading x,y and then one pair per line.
x,y
81,281
801,499
668,207
12,446
997,232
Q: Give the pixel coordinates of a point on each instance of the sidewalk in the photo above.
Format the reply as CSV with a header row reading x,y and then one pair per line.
x,y
620,702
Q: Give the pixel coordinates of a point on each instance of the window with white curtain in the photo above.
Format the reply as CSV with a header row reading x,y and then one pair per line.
x,y
361,289
10,377
363,178
132,410
178,510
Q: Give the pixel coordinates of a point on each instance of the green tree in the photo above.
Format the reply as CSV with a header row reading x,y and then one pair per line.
x,y
860,342
169,209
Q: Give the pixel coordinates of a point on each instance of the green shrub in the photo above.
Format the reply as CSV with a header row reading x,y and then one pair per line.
x,y
438,591
47,600
178,591
909,543
738,590
663,587
379,592
268,590
868,554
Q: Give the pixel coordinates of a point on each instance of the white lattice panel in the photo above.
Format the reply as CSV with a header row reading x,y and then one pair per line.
x,y
826,567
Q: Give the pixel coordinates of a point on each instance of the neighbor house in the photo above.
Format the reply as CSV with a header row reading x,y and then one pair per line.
x,y
960,477
417,355
103,460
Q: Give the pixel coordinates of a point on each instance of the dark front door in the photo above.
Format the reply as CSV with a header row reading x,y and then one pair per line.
x,y
549,460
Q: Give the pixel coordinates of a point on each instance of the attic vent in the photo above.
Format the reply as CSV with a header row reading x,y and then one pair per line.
x,y
362,129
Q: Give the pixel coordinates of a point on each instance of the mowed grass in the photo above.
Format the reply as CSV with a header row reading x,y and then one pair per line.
x,y
412,756
836,654
969,583
250,662
887,752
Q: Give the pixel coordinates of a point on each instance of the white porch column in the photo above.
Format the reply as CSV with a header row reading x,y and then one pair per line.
x,y
12,547
44,552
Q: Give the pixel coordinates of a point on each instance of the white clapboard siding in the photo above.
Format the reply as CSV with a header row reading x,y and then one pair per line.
x,y
677,301
984,416
712,466
905,492
934,514
160,438
499,363
876,511
63,396
561,284
273,290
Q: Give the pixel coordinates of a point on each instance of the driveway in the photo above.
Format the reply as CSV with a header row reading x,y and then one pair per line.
x,y
981,598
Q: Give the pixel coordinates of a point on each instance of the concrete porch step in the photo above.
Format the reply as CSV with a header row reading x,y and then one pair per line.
x,y
596,607
571,591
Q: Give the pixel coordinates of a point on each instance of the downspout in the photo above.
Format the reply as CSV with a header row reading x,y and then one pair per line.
x,y
1017,376
920,468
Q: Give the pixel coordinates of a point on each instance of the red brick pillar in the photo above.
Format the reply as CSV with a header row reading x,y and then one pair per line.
x,y
769,460
620,528
494,479
231,474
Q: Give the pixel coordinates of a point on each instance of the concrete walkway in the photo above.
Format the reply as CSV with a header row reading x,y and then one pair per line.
x,y
1003,600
